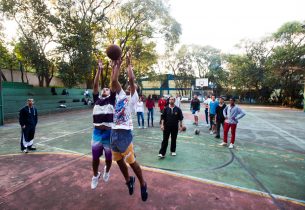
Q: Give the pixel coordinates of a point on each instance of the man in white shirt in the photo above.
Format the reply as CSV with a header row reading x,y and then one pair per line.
x,y
121,137
178,100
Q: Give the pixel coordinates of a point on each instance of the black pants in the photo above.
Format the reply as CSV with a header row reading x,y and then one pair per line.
x,y
206,115
27,136
218,124
173,132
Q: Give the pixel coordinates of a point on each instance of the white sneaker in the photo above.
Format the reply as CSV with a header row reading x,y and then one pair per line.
x,y
144,127
223,144
106,175
174,154
208,125
94,181
139,127
211,132
231,146
161,156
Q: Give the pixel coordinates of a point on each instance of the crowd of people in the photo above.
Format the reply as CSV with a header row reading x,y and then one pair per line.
x,y
112,120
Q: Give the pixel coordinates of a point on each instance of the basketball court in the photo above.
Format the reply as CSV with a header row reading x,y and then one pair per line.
x,y
266,169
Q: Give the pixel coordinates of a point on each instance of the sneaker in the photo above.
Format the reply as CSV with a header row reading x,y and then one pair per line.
x,y
32,148
211,132
217,137
130,184
194,123
231,146
161,156
94,181
208,125
144,193
139,127
25,151
223,144
106,175
174,154
144,127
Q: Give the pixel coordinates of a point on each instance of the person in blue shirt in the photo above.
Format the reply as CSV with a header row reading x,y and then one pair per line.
x,y
212,113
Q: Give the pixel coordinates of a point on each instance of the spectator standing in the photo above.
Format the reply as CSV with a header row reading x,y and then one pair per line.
x,y
232,114
150,104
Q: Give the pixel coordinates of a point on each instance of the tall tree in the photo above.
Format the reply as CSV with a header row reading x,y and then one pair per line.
x,y
136,25
34,21
287,61
77,25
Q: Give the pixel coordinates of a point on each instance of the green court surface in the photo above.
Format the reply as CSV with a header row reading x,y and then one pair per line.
x,y
269,156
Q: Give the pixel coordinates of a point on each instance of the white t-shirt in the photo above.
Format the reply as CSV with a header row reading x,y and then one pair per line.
x,y
178,101
207,102
139,106
124,107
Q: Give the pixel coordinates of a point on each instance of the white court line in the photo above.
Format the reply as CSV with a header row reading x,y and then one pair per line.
x,y
50,139
65,150
298,142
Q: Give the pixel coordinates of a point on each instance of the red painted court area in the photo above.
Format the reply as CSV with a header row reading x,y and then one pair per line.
x,y
61,181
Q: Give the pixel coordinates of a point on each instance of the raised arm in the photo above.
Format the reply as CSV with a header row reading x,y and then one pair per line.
x,y
115,84
97,77
130,74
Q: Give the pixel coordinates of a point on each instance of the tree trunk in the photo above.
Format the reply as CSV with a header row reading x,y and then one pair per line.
x,y
2,75
26,75
40,80
11,70
21,70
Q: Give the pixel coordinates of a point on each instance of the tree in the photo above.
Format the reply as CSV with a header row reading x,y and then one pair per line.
x,y
287,61
135,26
78,24
34,19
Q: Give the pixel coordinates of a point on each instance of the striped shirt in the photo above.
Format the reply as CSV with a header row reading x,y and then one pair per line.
x,y
103,109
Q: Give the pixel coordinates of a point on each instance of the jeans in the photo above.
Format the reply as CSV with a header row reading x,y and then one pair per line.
x,y
206,115
150,114
140,114
219,123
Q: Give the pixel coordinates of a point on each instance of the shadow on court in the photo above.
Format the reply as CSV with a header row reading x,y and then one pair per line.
x,y
62,181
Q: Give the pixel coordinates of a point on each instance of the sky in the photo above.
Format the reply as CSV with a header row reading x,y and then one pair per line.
x,y
223,23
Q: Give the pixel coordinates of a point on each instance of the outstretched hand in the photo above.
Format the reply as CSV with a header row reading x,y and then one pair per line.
x,y
128,58
100,64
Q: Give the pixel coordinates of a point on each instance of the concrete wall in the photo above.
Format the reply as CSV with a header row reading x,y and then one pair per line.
x,y
33,80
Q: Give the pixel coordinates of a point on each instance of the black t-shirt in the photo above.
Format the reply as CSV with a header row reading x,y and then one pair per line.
x,y
195,104
219,112
172,117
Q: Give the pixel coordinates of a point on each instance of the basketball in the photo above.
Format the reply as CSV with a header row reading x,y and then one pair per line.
x,y
183,128
197,131
114,52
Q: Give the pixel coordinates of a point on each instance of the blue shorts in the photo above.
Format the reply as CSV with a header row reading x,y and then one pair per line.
x,y
101,142
120,140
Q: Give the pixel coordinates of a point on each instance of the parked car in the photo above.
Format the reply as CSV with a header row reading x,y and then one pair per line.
x,y
184,99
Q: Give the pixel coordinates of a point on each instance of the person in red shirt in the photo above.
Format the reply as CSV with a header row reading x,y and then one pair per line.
x,y
161,103
150,104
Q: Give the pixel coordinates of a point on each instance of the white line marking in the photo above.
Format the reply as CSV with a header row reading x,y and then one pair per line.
x,y
299,142
65,150
57,137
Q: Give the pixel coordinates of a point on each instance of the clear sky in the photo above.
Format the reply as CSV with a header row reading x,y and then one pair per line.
x,y
223,23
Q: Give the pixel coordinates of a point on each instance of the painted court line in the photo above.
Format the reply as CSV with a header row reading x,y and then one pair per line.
x,y
68,134
298,142
202,180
